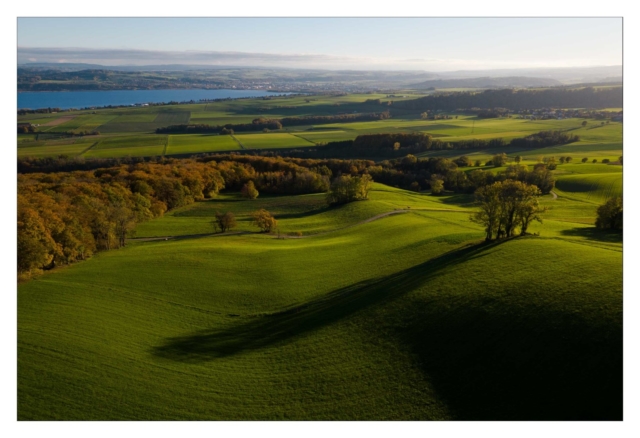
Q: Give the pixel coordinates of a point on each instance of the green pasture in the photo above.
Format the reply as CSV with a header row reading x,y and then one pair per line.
x,y
271,141
199,143
407,317
134,146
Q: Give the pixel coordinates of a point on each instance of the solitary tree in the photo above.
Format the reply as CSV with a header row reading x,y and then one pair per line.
x,y
224,222
249,190
594,161
584,123
568,159
518,159
610,214
264,220
585,159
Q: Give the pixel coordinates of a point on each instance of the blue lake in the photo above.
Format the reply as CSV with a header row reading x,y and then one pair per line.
x,y
83,99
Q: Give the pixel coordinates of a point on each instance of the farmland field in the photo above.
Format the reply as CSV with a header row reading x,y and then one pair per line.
x,y
460,127
198,143
389,308
271,141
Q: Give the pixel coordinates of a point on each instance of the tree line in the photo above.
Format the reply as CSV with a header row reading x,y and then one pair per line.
x,y
262,124
587,97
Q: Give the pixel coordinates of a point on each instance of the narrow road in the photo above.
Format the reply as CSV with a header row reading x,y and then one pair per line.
x,y
371,219
235,233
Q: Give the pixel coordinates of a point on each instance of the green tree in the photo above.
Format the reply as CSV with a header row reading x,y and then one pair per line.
x,y
585,159
609,214
499,160
249,190
518,159
437,185
348,188
584,123
488,198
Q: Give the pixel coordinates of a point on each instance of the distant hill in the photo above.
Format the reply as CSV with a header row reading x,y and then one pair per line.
x,y
488,82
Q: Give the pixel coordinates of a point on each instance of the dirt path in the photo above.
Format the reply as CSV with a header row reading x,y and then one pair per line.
x,y
59,121
235,233
554,195
371,219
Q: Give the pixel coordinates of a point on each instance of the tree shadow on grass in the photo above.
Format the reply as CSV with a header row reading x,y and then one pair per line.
x,y
264,331
593,233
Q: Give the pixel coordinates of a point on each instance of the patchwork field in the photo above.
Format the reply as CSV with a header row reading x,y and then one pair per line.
x,y
145,120
198,143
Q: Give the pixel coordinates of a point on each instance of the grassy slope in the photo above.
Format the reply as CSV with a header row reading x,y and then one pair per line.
x,y
407,317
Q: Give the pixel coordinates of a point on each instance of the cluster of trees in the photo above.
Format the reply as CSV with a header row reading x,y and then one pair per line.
x,y
492,113
402,143
544,139
263,124
26,128
256,125
588,97
609,214
22,112
506,206
339,118
66,217
419,174
413,142
349,188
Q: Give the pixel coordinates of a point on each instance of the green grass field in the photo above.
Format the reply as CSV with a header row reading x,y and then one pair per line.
x,y
198,143
271,141
410,316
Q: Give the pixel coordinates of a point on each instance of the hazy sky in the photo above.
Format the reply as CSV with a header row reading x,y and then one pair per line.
x,y
435,44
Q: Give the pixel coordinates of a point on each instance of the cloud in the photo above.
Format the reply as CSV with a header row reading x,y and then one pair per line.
x,y
155,57
137,57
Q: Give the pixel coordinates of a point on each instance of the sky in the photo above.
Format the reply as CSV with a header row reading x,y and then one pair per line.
x,y
433,44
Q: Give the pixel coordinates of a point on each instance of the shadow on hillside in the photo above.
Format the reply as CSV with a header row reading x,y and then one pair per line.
x,y
492,361
459,200
593,233
264,331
